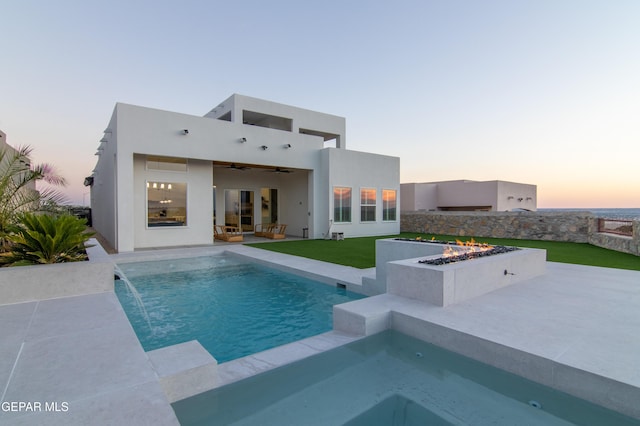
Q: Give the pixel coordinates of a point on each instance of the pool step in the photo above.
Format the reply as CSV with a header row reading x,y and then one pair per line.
x,y
184,370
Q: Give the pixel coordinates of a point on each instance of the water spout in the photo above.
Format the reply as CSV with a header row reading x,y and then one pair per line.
x,y
119,275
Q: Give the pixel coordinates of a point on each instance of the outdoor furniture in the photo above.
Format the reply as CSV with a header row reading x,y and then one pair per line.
x,y
230,234
260,229
277,232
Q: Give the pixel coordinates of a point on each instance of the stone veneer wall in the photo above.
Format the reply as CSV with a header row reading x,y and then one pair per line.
x,y
578,227
618,242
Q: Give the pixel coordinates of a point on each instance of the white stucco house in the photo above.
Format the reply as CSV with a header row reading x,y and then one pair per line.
x,y
468,195
164,178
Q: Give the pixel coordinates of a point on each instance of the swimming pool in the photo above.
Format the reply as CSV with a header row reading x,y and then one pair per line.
x,y
390,379
233,308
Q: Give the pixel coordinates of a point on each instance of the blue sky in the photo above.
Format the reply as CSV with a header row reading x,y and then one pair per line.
x,y
541,92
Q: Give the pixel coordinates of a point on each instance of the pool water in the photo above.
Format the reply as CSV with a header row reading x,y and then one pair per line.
x,y
233,308
390,379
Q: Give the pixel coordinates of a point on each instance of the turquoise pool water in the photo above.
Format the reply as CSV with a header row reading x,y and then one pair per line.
x,y
390,379
233,308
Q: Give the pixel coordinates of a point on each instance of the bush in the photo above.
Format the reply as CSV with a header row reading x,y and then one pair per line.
x,y
41,239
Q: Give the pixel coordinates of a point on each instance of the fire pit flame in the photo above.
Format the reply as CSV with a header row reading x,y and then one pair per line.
x,y
465,247
465,251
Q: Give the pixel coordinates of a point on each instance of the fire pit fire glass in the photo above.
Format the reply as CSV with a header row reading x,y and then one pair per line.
x,y
460,251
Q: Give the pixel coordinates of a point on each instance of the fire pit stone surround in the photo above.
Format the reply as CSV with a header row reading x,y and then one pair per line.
x,y
402,273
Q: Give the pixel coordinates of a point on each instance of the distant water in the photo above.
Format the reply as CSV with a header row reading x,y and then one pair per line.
x,y
605,213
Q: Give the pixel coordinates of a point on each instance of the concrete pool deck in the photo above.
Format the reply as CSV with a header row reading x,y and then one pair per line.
x,y
83,352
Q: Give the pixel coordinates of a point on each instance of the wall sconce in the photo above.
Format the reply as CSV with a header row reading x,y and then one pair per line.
x,y
287,146
242,140
529,198
264,147
520,199
510,197
185,131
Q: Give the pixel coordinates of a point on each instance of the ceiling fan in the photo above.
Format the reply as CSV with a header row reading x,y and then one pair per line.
x,y
279,170
233,166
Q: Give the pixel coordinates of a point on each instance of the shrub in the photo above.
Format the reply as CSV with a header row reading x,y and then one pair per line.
x,y
38,239
18,192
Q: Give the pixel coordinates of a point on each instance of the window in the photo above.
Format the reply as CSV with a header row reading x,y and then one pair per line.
x,y
367,205
389,204
166,204
341,204
171,164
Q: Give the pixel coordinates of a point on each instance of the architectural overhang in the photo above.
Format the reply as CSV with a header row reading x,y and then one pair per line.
x,y
241,167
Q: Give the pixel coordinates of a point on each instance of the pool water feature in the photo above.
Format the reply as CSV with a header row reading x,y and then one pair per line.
x,y
233,308
390,379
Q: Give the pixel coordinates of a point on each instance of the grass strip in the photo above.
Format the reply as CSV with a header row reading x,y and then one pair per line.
x,y
360,252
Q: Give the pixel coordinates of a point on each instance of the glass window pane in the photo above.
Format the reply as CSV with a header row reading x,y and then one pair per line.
x,y
341,204
389,202
368,196
166,204
368,205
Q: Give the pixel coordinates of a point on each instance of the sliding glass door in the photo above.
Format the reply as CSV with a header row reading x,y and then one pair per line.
x,y
238,209
269,205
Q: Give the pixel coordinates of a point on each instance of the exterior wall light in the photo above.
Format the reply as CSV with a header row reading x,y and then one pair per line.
x,y
264,147
185,131
287,146
242,140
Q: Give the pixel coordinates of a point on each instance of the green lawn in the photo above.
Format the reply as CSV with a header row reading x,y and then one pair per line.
x,y
360,252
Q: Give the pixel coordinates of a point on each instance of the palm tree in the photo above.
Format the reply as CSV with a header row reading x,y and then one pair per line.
x,y
18,187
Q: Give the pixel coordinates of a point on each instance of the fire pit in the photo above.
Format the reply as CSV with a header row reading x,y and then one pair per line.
x,y
442,273
452,258
464,251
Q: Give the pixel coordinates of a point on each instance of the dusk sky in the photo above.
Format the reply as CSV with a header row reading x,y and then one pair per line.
x,y
545,92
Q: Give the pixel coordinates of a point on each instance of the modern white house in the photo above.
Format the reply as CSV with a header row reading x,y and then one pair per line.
x,y
164,178
468,195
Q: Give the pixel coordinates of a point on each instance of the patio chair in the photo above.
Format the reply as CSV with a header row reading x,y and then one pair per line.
x,y
230,234
261,229
277,232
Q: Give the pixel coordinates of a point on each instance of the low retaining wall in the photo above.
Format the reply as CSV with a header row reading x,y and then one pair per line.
x,y
38,282
619,242
576,227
